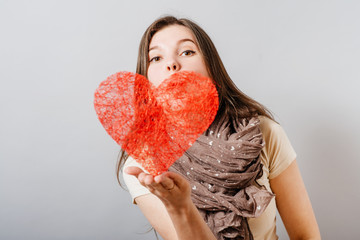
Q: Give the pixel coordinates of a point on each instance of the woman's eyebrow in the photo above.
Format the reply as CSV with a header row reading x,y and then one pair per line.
x,y
179,42
186,40
152,48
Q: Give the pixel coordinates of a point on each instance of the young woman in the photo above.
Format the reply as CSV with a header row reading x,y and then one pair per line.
x,y
230,196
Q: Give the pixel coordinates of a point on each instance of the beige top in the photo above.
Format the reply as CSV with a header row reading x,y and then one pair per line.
x,y
276,156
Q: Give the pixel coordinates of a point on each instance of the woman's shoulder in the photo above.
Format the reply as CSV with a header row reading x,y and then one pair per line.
x,y
278,152
272,130
267,125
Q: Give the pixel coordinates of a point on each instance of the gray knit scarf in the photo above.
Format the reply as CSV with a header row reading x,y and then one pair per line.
x,y
222,167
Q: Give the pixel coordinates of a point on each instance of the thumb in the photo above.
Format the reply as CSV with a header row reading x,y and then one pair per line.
x,y
178,179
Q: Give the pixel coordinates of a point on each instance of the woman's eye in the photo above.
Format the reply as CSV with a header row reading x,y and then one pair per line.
x,y
155,59
187,53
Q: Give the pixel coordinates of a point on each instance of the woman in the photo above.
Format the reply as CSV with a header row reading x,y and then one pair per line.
x,y
171,201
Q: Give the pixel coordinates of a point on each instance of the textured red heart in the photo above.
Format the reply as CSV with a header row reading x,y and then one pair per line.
x,y
156,125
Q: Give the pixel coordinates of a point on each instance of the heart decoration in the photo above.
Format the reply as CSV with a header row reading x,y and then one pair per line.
x,y
156,125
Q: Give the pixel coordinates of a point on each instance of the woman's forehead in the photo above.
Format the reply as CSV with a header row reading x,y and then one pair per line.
x,y
174,34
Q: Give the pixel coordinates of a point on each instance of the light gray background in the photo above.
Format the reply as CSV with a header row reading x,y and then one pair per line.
x,y
57,163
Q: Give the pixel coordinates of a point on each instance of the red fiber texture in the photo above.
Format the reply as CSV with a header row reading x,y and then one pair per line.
x,y
156,125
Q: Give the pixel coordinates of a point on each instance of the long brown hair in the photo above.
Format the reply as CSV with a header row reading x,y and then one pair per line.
x,y
233,103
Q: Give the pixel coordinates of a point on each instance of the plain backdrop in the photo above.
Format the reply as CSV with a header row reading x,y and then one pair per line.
x,y
57,163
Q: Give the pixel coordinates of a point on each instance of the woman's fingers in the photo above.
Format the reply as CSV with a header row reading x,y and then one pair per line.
x,y
144,178
148,179
161,184
135,171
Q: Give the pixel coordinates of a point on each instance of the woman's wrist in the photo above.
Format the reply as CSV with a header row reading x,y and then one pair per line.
x,y
188,222
183,208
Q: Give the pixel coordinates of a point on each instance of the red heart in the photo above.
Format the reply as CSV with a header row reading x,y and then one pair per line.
x,y
156,125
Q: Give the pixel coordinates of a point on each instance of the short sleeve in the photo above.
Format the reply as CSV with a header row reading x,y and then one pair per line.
x,y
133,185
278,152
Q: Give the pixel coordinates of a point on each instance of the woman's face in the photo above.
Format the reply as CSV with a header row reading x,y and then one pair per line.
x,y
173,49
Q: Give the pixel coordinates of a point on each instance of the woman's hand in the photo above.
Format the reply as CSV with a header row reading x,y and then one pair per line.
x,y
171,188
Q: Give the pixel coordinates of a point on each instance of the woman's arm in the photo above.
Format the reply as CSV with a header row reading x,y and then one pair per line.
x,y
294,205
170,212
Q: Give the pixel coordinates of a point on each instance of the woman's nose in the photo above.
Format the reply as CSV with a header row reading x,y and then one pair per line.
x,y
173,66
